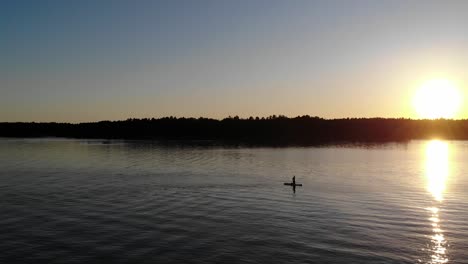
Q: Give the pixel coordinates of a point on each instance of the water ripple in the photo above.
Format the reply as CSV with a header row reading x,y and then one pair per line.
x,y
71,201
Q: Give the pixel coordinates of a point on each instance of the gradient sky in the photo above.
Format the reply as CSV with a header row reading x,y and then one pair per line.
x,y
105,60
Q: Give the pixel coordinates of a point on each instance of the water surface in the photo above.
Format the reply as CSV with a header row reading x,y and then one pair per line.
x,y
92,201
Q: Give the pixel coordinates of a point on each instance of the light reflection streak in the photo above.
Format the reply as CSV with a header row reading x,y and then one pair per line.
x,y
437,171
438,246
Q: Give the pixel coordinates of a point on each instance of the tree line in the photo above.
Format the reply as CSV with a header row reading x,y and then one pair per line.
x,y
300,130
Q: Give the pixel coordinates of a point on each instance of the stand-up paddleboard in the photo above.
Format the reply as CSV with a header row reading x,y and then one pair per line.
x,y
292,184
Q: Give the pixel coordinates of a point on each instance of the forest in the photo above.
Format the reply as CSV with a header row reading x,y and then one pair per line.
x,y
272,130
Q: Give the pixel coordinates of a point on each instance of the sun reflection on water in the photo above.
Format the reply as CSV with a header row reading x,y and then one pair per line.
x,y
437,167
437,171
438,245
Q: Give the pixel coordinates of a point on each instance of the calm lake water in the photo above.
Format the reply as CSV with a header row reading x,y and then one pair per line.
x,y
89,201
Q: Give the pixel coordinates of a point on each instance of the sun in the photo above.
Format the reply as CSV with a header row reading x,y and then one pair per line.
x,y
437,98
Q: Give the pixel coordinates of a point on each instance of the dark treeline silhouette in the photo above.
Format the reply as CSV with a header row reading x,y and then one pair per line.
x,y
277,130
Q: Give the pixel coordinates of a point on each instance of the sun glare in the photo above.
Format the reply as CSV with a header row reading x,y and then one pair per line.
x,y
437,167
437,99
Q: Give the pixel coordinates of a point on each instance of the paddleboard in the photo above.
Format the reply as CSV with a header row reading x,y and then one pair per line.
x,y
290,184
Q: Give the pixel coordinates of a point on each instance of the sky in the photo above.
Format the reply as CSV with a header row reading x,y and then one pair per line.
x,y
79,61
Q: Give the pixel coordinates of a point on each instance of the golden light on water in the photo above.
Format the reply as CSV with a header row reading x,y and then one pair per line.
x,y
437,98
437,171
438,243
437,167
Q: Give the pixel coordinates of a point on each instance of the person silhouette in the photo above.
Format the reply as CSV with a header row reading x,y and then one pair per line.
x,y
294,180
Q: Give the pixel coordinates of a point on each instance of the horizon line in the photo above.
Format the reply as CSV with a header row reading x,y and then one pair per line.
x,y
236,117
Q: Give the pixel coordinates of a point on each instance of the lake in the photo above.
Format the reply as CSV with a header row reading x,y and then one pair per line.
x,y
95,201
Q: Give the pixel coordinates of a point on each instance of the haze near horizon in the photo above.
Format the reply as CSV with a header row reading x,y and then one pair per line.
x,y
69,61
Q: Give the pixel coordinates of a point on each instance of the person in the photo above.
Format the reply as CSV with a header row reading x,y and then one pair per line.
x,y
294,180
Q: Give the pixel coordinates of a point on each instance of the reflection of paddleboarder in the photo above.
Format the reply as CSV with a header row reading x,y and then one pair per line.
x,y
294,180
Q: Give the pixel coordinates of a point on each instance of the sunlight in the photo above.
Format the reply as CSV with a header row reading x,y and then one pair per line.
x,y
438,241
437,167
437,171
437,98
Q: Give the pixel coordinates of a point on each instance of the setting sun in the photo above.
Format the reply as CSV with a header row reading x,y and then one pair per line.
x,y
438,98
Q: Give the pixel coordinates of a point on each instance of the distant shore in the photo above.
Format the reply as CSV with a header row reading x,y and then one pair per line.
x,y
276,130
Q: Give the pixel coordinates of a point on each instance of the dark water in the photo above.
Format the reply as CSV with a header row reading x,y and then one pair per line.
x,y
79,201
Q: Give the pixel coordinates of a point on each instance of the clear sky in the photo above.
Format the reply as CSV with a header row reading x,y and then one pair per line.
x,y
105,60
